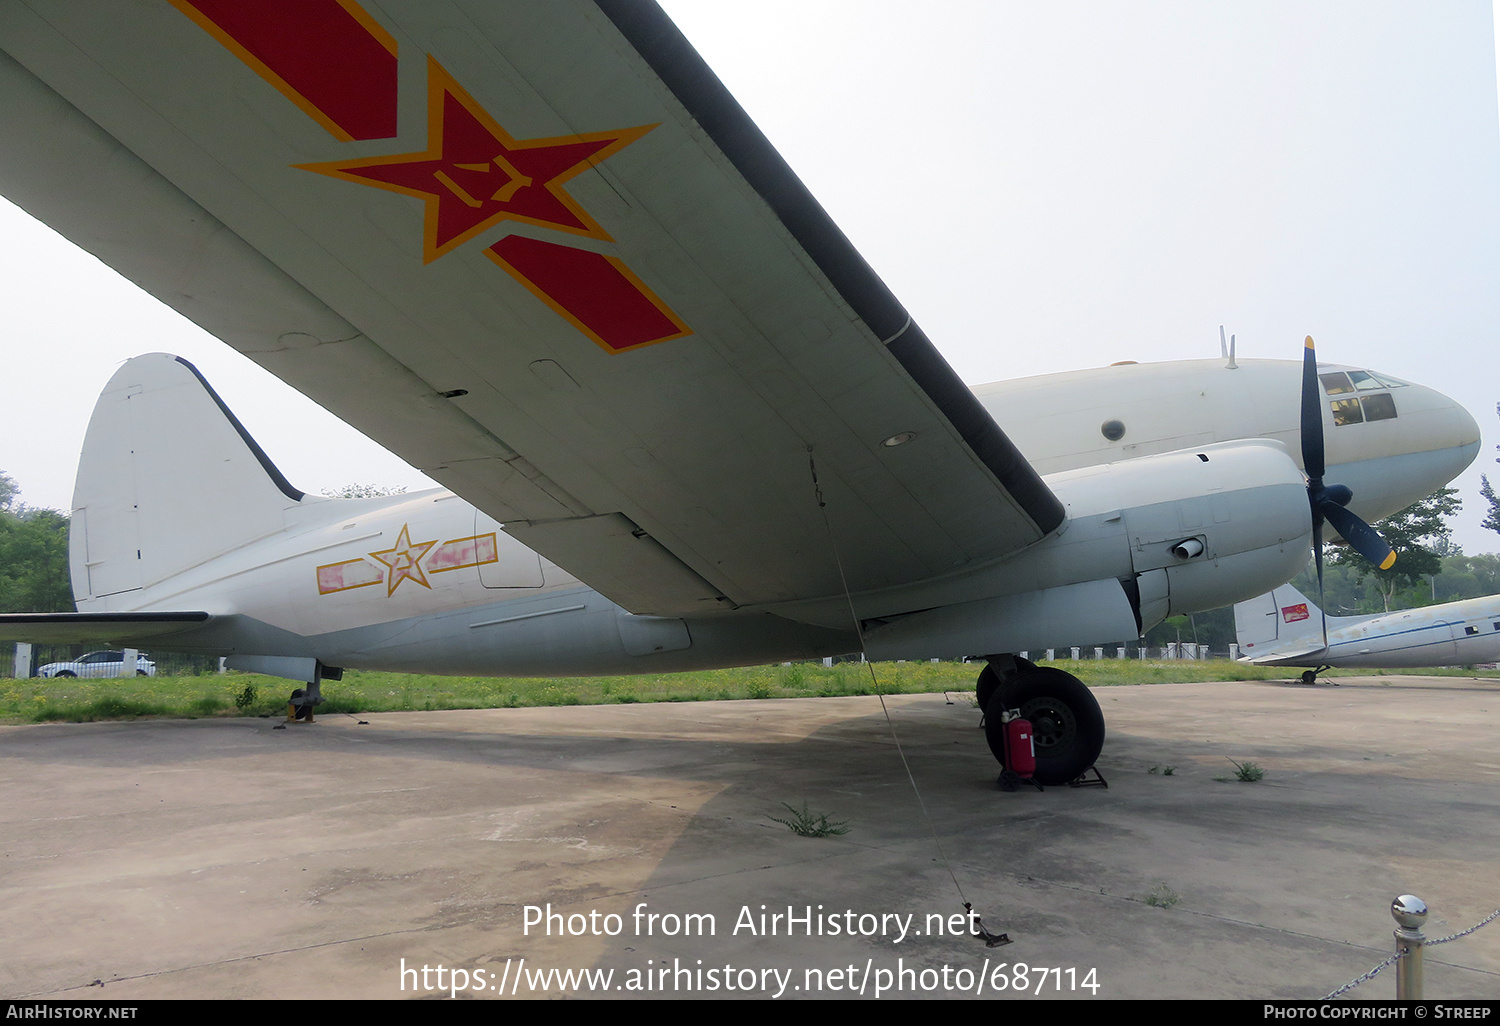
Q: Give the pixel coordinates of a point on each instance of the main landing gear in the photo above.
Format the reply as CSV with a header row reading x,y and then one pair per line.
x,y
1067,724
1311,676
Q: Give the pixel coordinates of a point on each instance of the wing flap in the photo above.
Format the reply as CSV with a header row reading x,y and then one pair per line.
x,y
746,345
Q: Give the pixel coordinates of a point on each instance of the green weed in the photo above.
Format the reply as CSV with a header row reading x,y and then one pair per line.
x,y
1162,896
1247,771
804,824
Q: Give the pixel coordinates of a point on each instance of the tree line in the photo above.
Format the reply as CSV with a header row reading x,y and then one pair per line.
x,y
33,556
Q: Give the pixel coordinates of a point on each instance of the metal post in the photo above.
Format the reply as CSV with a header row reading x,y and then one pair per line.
x,y
1410,912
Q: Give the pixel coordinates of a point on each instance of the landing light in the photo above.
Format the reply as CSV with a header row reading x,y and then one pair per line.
x,y
899,439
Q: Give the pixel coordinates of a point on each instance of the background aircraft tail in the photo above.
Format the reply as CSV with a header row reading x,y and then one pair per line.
x,y
167,479
1279,620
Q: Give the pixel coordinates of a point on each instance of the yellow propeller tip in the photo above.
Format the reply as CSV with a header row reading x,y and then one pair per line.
x,y
1309,343
1390,561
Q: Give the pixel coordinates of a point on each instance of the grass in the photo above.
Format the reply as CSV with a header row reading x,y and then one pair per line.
x,y
1247,772
36,700
805,824
1162,896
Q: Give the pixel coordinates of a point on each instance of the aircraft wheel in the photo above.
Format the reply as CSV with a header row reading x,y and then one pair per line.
x,y
1309,676
986,686
989,680
1067,723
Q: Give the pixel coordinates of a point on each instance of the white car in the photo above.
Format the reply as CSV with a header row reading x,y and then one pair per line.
x,y
99,664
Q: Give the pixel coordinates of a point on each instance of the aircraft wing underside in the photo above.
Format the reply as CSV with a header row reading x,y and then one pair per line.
x,y
538,251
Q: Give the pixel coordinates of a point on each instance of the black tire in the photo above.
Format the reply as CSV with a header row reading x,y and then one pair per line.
x,y
985,687
1067,724
989,681
1309,676
141,673
65,673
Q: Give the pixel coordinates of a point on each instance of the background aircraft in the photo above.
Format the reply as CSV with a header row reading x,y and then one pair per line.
x,y
1285,628
541,253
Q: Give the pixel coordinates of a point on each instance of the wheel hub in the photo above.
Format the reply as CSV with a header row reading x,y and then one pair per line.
x,y
1053,726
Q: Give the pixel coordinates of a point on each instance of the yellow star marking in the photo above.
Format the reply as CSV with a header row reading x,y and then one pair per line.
x,y
405,561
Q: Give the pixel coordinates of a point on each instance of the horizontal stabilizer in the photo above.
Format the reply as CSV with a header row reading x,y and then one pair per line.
x,y
1291,656
97,628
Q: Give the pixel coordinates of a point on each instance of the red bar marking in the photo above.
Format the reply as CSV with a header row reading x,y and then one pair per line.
x,y
329,57
352,573
597,294
454,555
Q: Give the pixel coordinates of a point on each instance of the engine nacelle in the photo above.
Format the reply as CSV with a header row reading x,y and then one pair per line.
x,y
1205,527
1175,533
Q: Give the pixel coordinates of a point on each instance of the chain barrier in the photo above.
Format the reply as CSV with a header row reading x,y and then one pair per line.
x,y
1483,922
1346,988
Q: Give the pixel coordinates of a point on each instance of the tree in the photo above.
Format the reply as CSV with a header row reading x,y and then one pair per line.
x,y
363,491
33,556
1492,521
1417,534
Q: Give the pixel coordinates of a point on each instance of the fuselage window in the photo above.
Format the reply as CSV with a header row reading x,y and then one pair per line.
x,y
1379,407
1346,411
1471,630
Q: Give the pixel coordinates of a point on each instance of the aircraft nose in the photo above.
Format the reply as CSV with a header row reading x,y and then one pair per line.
x,y
1445,423
1390,462
1468,427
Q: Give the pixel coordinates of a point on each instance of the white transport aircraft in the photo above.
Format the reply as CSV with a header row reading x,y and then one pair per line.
x,y
539,251
1285,628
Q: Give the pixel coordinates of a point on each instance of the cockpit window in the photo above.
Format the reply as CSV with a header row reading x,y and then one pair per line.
x,y
1346,411
1336,383
1366,408
1344,382
1379,407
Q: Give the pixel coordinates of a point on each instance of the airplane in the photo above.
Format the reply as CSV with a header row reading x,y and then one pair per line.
x,y
1285,628
542,254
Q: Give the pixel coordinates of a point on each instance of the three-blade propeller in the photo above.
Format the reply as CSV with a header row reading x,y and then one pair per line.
x,y
1328,501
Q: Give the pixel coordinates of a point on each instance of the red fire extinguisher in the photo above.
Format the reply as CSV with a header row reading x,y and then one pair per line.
x,y
1020,752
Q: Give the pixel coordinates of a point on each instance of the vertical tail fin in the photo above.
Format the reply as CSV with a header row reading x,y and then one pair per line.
x,y
1284,617
167,479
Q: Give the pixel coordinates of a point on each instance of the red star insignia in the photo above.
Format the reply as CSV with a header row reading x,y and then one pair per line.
x,y
405,561
474,174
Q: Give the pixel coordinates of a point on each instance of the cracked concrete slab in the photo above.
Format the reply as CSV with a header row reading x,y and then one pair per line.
x,y
222,858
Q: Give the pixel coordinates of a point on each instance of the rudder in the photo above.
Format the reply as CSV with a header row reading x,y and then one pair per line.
x,y
167,479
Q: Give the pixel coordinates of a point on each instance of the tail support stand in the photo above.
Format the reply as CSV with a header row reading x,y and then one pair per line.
x,y
299,708
991,940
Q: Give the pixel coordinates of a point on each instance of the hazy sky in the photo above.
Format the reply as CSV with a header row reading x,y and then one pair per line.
x,y
1046,186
